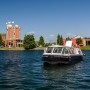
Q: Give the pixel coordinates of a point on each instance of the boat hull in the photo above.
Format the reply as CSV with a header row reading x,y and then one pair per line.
x,y
60,59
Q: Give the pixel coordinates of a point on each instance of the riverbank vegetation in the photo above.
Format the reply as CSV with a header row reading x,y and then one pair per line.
x,y
1,42
29,43
39,48
85,48
17,48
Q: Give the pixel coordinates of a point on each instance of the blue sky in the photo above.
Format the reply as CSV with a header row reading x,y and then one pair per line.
x,y
47,17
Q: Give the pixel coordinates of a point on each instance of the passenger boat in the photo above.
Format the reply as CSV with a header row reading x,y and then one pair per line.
x,y
57,54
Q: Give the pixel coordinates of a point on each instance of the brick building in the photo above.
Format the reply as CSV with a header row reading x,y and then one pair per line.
x,y
82,38
12,36
74,41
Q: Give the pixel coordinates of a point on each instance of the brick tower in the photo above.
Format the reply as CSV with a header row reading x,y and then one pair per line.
x,y
12,35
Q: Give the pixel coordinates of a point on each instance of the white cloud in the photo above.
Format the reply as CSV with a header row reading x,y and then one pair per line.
x,y
12,21
68,34
51,35
32,32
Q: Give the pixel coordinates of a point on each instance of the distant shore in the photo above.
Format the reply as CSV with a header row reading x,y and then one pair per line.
x,y
39,48
85,48
21,48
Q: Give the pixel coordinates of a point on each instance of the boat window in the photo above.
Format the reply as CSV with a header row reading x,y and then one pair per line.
x,y
80,52
77,51
71,51
65,51
57,50
49,50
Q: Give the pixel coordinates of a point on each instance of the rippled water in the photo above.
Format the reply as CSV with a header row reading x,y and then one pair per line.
x,y
24,70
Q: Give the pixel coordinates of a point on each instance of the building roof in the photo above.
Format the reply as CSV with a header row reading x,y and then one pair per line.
x,y
77,36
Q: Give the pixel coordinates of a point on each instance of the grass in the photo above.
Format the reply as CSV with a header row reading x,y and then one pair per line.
x,y
85,48
39,48
21,48
17,48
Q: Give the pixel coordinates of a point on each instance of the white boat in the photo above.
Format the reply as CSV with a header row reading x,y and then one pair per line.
x,y
67,54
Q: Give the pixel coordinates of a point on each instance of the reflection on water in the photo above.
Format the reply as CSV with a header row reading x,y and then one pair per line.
x,y
68,77
24,70
62,77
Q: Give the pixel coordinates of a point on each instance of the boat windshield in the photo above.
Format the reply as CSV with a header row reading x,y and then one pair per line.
x,y
57,50
49,50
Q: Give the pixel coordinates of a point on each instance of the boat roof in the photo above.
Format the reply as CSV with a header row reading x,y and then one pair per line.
x,y
68,44
57,46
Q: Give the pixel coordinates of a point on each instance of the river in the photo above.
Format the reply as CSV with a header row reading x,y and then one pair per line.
x,y
24,70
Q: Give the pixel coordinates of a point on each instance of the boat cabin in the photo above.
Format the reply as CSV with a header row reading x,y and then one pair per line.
x,y
56,49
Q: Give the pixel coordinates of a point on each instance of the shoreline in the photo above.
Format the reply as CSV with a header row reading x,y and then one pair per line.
x,y
39,48
21,48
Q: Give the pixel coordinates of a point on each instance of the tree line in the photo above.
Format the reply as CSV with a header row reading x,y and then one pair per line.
x,y
1,42
30,43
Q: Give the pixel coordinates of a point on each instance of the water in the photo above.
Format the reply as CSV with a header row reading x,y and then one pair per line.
x,y
24,70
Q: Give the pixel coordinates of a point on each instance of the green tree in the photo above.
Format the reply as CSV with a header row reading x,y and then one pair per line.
x,y
1,42
47,44
68,39
41,41
59,39
79,41
29,42
36,44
